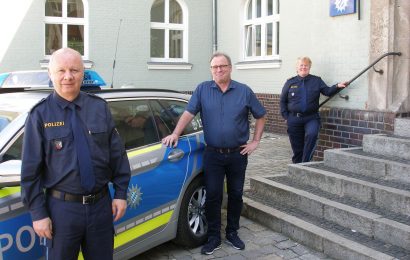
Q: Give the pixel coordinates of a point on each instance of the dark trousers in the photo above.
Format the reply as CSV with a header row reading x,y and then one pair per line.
x,y
75,225
303,134
216,167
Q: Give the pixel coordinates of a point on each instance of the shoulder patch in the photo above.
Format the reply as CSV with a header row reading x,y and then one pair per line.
x,y
37,104
95,96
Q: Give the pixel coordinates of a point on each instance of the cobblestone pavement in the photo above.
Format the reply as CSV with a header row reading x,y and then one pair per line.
x,y
272,157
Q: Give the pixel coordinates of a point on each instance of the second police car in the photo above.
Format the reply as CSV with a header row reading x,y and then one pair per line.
x,y
166,194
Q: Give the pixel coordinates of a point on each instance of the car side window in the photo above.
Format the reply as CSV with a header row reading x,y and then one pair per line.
x,y
14,151
134,122
171,111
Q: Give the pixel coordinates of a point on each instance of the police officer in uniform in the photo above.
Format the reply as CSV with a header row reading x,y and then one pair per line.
x,y
299,106
71,150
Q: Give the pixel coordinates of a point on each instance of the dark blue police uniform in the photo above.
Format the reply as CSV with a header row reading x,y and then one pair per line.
x,y
50,165
299,105
226,127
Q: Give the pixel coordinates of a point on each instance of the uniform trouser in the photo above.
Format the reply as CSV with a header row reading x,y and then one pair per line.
x,y
216,166
303,134
76,225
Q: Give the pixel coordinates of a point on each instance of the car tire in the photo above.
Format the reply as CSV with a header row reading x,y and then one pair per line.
x,y
192,223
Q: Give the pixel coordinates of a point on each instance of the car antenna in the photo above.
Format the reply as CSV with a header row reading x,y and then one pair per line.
x,y
115,55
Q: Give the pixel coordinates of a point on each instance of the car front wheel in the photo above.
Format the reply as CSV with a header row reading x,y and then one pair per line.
x,y
192,223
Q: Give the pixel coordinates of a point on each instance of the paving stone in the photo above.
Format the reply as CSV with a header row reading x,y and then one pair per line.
x,y
286,244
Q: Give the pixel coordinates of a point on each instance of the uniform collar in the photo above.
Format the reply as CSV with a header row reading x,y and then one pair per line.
x,y
303,78
63,103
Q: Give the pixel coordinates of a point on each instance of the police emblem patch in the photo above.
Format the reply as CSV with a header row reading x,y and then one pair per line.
x,y
134,196
58,144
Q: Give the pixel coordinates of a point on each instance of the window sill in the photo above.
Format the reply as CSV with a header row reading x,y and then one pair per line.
x,y
87,64
169,66
258,64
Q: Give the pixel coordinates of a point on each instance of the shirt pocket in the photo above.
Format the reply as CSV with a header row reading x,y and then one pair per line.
x,y
293,93
99,142
59,141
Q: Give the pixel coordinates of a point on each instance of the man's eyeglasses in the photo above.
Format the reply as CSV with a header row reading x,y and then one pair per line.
x,y
216,67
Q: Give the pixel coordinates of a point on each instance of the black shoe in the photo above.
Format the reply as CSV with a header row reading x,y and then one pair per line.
x,y
233,240
212,245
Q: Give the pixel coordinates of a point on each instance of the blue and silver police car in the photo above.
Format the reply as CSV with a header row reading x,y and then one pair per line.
x,y
165,196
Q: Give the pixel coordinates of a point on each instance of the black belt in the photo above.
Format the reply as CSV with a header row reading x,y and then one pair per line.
x,y
224,150
84,199
302,114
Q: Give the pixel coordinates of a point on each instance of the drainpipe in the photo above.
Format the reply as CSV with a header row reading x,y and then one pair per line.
x,y
214,26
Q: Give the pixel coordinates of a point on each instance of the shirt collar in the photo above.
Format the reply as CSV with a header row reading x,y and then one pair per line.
x,y
63,103
231,85
303,78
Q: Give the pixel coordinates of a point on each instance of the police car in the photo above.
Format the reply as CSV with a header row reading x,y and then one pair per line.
x,y
165,196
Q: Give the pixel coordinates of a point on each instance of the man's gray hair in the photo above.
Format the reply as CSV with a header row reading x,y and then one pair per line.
x,y
219,54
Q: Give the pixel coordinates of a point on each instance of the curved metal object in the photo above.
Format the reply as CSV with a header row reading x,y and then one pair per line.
x,y
175,155
360,73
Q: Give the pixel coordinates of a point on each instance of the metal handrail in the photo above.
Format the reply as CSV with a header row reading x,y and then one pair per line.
x,y
360,73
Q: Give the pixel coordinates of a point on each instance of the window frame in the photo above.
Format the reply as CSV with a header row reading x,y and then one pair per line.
x,y
65,21
249,30
167,27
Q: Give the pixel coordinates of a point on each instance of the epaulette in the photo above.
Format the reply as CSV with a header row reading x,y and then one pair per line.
x,y
291,78
95,96
37,104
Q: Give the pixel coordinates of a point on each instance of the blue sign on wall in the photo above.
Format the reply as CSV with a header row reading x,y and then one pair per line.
x,y
342,7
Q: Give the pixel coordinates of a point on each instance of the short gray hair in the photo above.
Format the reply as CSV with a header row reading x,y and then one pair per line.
x,y
220,54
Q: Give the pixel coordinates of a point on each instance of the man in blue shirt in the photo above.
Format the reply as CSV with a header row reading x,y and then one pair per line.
x,y
67,196
224,105
299,106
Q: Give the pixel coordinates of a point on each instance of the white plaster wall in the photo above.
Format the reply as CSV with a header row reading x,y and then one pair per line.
x,y
338,46
22,44
21,27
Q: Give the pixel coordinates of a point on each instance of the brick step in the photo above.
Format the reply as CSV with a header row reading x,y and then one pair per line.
x,y
357,161
346,185
387,145
326,237
402,126
372,221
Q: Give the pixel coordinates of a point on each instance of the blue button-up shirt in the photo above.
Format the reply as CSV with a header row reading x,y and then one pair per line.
x,y
291,97
49,158
225,114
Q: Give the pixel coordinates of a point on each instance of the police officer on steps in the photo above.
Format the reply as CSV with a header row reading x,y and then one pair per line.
x,y
299,106
71,150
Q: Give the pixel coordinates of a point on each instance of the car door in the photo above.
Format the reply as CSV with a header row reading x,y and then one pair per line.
x,y
158,172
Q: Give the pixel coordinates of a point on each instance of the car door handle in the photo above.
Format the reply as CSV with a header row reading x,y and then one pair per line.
x,y
175,155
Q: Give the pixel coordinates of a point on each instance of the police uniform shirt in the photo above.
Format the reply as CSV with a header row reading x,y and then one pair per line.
x,y
49,153
224,115
291,97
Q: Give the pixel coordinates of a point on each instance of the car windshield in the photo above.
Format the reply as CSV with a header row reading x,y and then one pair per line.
x,y
28,79
6,117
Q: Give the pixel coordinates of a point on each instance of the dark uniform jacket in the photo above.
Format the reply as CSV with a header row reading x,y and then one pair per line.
x,y
49,153
291,97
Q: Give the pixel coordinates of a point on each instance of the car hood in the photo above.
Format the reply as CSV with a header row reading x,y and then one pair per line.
x,y
10,173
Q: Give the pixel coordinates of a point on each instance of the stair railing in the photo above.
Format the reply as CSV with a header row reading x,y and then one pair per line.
x,y
361,72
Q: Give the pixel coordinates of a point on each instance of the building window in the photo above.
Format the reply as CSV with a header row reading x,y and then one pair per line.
x,y
65,26
169,39
261,29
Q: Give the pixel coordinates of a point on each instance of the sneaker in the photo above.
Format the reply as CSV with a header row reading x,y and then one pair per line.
x,y
212,245
233,240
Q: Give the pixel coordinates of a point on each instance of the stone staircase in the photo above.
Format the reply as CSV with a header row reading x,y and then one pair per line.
x,y
353,205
